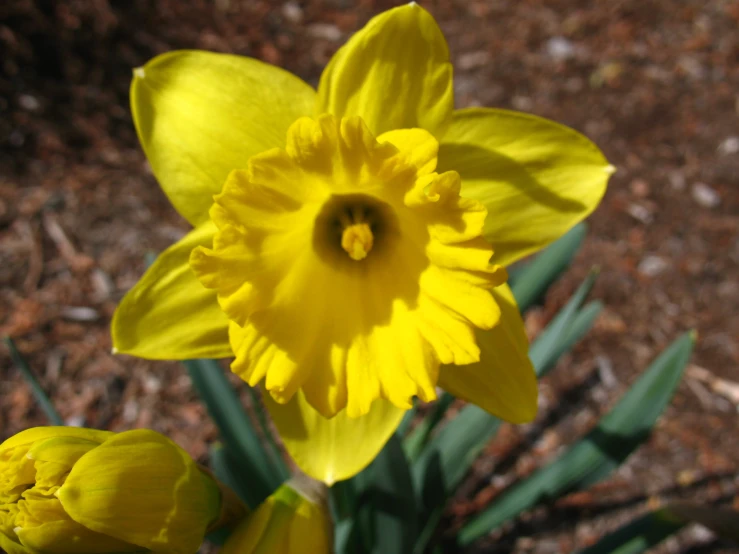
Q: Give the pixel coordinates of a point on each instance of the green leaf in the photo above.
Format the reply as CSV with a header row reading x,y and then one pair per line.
x,y
407,421
572,331
417,439
382,504
448,456
617,435
245,448
225,467
38,393
652,528
555,339
531,281
638,535
446,460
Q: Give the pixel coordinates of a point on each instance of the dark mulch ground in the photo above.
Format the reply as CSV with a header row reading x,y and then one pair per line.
x,y
653,82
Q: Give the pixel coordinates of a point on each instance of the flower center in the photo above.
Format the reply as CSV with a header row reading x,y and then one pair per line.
x,y
350,226
356,224
357,240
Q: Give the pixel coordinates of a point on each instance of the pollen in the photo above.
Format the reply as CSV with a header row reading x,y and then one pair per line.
x,y
357,240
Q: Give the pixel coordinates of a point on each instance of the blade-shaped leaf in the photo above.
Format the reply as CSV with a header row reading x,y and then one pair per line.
x,y
548,347
225,467
650,529
545,357
384,511
638,535
245,448
529,282
448,456
456,446
647,531
227,471
617,435
417,439
38,392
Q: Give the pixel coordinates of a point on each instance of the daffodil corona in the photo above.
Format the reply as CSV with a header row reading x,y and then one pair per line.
x,y
348,267
349,243
76,490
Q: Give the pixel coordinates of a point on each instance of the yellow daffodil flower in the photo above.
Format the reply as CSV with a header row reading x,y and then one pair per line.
x,y
293,520
65,489
349,243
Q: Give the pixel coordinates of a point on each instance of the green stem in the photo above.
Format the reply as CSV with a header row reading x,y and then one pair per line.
x,y
273,449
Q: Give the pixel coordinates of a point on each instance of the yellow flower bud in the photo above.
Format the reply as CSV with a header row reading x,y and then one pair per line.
x,y
293,520
70,490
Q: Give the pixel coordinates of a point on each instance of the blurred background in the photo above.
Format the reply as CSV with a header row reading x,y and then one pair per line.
x,y
654,83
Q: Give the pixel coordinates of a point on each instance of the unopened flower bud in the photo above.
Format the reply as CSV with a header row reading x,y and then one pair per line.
x,y
294,520
65,489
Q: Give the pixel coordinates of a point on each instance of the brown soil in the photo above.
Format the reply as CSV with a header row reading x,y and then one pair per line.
x,y
653,82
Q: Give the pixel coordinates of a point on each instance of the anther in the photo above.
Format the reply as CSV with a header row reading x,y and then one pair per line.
x,y
357,240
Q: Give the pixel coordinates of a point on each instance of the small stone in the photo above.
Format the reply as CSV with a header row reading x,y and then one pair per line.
x,y
75,421
705,195
80,313
324,31
702,534
560,49
692,67
605,371
640,213
522,103
651,266
473,60
728,290
639,188
292,12
130,411
677,180
28,102
729,146
102,285
151,384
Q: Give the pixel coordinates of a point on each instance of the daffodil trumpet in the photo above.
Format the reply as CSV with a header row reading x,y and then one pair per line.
x,y
349,244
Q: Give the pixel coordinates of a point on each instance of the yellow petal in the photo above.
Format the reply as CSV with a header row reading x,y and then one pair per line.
x,y
503,382
419,147
141,488
394,73
35,434
10,546
201,114
168,314
69,537
333,449
537,178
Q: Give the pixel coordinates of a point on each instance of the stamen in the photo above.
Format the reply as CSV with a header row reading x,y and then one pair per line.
x,y
357,240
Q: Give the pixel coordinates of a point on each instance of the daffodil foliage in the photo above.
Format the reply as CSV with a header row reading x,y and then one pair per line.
x,y
349,243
